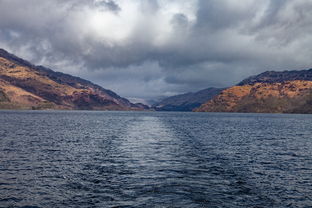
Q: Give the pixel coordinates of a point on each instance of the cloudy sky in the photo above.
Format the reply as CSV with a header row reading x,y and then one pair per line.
x,y
151,48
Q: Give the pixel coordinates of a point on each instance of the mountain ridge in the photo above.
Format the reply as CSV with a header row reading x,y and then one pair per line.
x,y
278,76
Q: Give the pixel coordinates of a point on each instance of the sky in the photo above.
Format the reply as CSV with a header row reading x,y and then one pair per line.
x,y
147,49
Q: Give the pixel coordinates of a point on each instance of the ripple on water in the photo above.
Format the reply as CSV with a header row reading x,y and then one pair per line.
x,y
135,159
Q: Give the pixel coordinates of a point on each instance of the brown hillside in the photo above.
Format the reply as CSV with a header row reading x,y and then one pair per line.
x,y
25,86
286,97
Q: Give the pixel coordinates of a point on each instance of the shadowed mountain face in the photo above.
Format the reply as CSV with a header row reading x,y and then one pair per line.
x,y
269,92
25,86
188,101
273,77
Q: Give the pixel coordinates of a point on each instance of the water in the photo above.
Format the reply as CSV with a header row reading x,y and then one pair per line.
x,y
137,159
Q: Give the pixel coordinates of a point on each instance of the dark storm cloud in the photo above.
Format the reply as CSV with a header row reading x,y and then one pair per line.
x,y
109,4
214,14
159,47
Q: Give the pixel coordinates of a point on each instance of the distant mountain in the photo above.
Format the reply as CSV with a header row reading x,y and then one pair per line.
x,y
269,92
186,102
273,77
26,86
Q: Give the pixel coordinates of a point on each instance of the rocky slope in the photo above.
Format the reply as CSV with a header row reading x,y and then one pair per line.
x,y
26,86
270,92
188,101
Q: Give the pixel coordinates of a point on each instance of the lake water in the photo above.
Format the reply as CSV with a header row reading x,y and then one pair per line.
x,y
153,159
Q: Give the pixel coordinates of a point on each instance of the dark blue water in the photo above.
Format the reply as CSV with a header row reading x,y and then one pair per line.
x,y
129,159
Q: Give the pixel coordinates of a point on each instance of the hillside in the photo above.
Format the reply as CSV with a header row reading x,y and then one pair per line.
x,y
186,102
26,86
269,92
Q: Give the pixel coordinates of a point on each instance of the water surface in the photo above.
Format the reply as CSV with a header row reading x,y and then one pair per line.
x,y
152,159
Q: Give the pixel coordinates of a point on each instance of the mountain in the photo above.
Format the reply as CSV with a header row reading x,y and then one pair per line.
x,y
273,77
269,92
26,86
188,101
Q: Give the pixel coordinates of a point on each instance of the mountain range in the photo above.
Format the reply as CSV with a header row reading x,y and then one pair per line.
x,y
26,86
187,101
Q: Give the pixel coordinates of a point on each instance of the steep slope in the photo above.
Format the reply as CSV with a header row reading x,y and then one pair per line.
x,y
188,101
25,86
271,92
